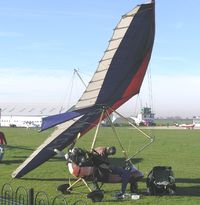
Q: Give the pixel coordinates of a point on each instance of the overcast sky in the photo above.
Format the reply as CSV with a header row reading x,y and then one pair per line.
x,y
43,41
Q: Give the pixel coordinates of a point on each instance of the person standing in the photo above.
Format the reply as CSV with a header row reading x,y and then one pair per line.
x,y
2,143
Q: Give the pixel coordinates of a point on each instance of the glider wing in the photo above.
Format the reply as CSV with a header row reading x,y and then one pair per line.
x,y
118,77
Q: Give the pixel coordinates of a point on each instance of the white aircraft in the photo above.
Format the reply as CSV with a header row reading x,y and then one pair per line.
x,y
186,126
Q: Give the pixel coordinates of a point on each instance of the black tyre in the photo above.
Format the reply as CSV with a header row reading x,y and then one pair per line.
x,y
63,188
96,196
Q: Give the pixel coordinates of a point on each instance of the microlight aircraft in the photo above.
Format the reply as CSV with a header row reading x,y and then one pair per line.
x,y
118,77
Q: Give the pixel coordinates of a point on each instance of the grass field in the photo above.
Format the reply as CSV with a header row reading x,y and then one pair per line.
x,y
178,148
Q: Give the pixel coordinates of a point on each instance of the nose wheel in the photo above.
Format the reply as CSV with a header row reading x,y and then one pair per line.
x,y
64,189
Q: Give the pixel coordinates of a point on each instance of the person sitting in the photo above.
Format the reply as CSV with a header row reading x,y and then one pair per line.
x,y
113,174
105,151
100,155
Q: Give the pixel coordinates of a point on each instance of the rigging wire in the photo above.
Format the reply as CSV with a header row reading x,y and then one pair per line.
x,y
65,97
115,133
149,137
77,73
70,91
150,91
71,86
150,87
136,105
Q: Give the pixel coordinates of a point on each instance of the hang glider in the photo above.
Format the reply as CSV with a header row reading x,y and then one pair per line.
x,y
118,78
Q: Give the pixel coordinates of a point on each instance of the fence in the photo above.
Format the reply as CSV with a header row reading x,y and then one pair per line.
x,y
22,196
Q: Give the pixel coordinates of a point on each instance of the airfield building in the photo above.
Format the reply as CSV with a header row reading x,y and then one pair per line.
x,y
24,117
145,117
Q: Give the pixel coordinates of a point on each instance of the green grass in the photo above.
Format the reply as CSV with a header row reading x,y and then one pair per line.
x,y
177,148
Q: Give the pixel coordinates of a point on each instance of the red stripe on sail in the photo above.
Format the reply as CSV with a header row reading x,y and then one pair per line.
x,y
135,84
136,81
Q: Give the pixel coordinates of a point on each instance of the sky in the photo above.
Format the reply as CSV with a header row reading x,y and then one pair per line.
x,y
42,42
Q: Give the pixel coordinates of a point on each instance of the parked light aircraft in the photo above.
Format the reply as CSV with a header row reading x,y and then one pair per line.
x,y
186,126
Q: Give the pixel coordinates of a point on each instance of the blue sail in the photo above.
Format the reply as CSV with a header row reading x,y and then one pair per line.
x,y
53,120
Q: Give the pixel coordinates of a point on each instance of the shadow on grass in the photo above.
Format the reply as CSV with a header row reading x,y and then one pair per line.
x,y
19,157
188,191
55,158
9,162
186,180
48,179
113,161
120,161
183,190
180,190
18,147
193,190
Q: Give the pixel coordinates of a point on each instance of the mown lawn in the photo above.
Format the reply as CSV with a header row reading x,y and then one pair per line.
x,y
177,148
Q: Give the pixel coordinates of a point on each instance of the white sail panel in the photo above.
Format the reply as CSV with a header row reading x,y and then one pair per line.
x,y
109,54
133,11
95,85
90,95
119,33
100,75
114,43
125,22
86,102
104,64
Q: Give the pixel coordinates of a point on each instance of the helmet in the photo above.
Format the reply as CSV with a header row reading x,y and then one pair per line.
x,y
75,151
82,161
110,150
73,154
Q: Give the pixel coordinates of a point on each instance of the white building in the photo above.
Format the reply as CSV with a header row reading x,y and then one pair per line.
x,y
20,121
21,116
145,117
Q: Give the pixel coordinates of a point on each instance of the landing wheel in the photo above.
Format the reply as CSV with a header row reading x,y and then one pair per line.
x,y
96,196
63,188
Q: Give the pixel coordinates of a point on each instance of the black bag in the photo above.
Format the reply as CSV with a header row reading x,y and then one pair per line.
x,y
160,180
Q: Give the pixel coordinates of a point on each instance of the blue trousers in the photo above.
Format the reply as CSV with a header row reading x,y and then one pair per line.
x,y
125,175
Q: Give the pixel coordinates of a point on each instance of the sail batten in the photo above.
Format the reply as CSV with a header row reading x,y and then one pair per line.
x,y
115,39
106,59
113,49
92,90
119,28
97,80
100,71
